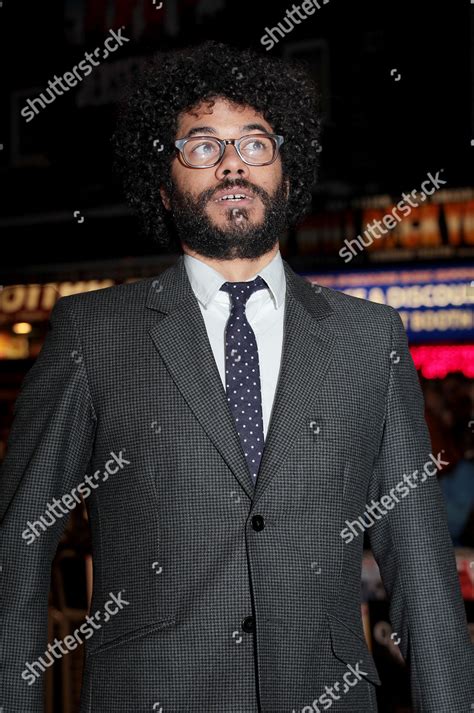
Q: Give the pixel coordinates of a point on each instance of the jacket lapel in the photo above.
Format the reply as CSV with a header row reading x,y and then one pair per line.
x,y
306,354
181,338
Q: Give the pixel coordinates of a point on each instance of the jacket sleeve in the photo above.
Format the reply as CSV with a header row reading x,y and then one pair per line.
x,y
413,548
48,451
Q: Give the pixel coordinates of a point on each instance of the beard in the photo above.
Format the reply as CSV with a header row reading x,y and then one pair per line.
x,y
240,238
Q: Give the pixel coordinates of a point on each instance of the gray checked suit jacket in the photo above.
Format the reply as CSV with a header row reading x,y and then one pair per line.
x,y
234,599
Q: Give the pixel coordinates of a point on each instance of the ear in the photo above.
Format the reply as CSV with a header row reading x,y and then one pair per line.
x,y
165,198
287,187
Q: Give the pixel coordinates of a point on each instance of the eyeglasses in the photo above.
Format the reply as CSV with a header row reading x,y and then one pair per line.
x,y
207,151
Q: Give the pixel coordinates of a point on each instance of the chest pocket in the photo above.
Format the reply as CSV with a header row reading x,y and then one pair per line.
x,y
343,435
339,450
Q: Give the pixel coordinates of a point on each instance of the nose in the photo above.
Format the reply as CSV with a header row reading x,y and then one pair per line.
x,y
231,165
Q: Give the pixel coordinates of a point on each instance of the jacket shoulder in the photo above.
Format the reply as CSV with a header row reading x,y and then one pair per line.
x,y
358,316
123,297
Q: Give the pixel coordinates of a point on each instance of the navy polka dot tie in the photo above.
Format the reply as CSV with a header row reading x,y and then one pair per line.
x,y
242,372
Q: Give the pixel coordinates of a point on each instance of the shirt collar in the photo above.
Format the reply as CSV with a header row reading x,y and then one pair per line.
x,y
206,282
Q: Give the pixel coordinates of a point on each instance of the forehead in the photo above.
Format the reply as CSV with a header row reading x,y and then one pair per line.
x,y
222,115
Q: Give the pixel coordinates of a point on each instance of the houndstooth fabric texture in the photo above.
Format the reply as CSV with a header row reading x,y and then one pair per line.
x,y
241,599
243,389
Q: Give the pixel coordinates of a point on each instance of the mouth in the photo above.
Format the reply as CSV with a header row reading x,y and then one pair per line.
x,y
235,197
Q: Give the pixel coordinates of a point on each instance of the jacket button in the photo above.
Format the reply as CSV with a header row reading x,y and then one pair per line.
x,y
258,523
248,624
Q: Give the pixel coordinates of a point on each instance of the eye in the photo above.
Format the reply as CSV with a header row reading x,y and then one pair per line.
x,y
255,146
204,149
258,149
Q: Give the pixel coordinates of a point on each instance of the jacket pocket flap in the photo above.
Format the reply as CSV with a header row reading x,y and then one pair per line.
x,y
349,647
143,631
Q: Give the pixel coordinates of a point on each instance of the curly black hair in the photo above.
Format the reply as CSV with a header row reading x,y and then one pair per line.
x,y
178,81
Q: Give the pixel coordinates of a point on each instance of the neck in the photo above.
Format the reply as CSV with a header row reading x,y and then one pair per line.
x,y
239,269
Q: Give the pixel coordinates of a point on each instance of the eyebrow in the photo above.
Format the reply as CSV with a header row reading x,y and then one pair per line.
x,y
204,130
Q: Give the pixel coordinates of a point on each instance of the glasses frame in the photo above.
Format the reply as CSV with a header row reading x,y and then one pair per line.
x,y
180,144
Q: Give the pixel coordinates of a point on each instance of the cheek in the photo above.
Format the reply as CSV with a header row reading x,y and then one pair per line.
x,y
179,176
189,181
271,179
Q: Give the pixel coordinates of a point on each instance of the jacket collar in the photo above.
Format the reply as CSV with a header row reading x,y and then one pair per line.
x,y
173,287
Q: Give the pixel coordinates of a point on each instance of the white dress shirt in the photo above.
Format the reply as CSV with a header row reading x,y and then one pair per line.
x,y
264,310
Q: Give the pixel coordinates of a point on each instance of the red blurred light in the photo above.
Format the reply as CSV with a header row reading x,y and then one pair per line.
x,y
437,361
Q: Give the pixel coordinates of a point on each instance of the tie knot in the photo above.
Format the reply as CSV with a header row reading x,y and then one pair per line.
x,y
241,291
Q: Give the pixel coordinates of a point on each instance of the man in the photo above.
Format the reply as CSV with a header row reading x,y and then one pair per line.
x,y
238,423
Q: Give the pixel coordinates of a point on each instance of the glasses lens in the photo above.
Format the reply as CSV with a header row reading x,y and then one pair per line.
x,y
258,149
201,152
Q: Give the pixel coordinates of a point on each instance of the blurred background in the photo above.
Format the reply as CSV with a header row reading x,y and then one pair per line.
x,y
397,104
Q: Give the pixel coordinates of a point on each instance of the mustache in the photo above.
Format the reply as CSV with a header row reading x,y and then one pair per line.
x,y
230,184
179,197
